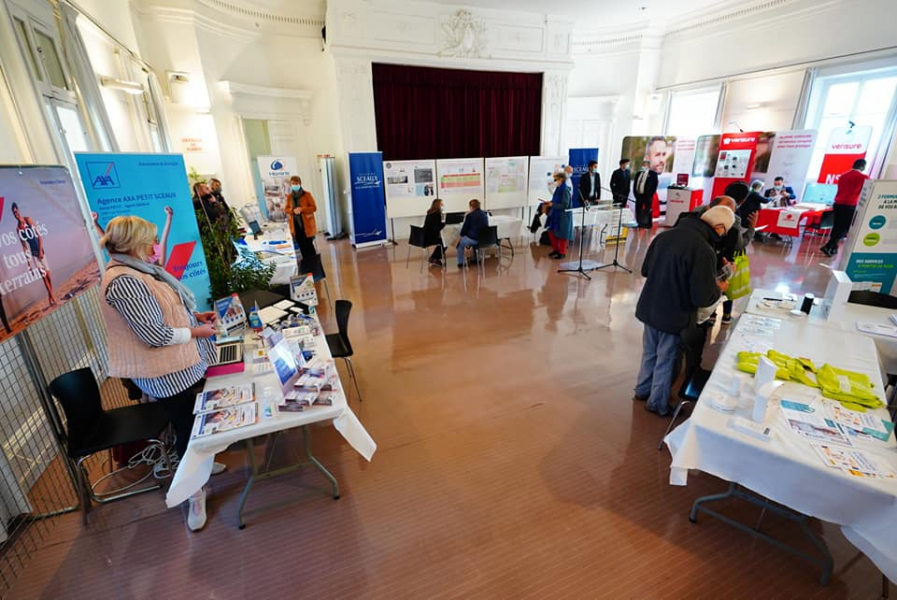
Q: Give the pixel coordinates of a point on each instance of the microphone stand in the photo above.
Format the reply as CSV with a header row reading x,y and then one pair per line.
x,y
616,264
584,266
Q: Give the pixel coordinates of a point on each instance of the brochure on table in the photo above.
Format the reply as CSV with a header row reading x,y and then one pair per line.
x,y
460,180
870,253
410,187
506,181
541,175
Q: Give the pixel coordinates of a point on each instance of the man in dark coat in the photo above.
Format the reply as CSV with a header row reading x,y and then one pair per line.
x,y
680,267
619,183
644,185
590,184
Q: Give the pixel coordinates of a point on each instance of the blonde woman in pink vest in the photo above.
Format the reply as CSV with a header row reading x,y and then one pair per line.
x,y
155,336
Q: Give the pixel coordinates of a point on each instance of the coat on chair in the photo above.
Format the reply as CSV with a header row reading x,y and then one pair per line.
x,y
561,220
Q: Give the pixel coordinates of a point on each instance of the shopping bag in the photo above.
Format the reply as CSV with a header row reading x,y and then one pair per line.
x,y
740,282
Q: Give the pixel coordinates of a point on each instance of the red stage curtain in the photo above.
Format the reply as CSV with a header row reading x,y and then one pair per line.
x,y
451,113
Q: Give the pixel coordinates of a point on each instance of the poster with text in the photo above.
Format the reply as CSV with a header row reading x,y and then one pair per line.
x,y
579,159
275,172
410,187
684,156
368,199
506,180
870,253
46,256
843,147
735,161
791,154
460,181
153,187
541,175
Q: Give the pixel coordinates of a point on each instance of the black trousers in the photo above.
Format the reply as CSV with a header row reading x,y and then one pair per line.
x,y
644,210
180,412
437,252
692,345
843,220
306,244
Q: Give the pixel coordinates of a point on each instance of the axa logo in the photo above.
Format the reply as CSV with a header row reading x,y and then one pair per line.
x,y
103,175
276,165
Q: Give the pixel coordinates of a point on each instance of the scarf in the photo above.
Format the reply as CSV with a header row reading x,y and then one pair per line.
x,y
161,274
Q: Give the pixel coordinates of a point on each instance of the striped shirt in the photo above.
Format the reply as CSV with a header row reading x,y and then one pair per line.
x,y
132,299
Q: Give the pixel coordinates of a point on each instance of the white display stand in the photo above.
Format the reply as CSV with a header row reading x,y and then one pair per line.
x,y
506,182
870,252
410,187
541,173
458,181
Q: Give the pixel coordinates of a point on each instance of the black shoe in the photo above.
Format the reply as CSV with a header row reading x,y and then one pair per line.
x,y
640,398
560,256
664,413
553,254
462,266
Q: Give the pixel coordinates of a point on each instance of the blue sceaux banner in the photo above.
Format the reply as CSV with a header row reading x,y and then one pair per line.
x,y
579,158
153,187
368,198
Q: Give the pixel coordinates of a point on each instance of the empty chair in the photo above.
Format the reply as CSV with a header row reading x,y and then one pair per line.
x,y
825,224
689,393
90,429
418,239
488,239
339,344
869,298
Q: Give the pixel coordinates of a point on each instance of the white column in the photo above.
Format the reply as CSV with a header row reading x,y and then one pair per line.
x,y
554,109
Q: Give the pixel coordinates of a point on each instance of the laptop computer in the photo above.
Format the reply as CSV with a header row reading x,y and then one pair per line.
x,y
454,218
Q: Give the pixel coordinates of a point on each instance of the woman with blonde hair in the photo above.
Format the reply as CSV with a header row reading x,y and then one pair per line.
x,y
155,336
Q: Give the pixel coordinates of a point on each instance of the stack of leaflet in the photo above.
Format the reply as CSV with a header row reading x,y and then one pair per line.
x,y
224,409
317,384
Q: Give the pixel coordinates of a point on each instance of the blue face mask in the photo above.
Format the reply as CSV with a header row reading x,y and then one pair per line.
x,y
296,188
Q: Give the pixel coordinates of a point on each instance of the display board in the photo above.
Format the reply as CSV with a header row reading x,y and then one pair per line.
x,y
843,147
275,172
154,187
541,175
735,161
791,154
684,156
506,182
578,159
46,256
659,151
368,199
410,187
870,253
459,181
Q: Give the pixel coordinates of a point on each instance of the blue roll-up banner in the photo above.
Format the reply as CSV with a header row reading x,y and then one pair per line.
x,y
579,159
368,199
153,187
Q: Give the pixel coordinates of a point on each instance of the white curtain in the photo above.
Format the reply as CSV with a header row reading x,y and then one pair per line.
x,y
85,78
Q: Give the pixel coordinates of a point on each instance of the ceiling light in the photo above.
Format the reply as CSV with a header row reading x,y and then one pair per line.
x,y
122,85
754,105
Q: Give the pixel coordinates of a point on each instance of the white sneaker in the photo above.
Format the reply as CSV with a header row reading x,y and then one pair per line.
x,y
196,510
218,468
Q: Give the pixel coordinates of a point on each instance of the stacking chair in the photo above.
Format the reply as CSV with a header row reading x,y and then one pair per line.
x,y
90,429
488,239
339,344
825,224
418,240
688,394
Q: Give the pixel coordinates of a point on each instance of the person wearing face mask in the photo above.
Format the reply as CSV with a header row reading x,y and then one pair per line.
x,y
216,211
300,210
619,183
681,277
644,186
561,219
156,337
780,194
590,184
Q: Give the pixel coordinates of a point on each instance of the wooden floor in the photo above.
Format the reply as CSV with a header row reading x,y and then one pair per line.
x,y
512,462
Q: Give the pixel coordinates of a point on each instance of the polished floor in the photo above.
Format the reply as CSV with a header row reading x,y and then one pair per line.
x,y
512,462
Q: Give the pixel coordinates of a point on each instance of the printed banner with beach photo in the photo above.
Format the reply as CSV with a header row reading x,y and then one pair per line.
x,y
46,256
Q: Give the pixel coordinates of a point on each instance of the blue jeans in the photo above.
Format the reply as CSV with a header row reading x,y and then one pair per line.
x,y
655,377
464,243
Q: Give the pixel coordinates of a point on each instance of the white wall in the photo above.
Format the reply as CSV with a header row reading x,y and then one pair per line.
x,y
778,95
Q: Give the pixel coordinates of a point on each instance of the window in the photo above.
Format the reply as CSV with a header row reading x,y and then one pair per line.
x,y
30,57
40,48
46,48
693,112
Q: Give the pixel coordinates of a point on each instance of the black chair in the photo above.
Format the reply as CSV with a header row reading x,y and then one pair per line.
x,y
488,238
877,299
826,222
688,394
312,264
90,429
417,239
339,344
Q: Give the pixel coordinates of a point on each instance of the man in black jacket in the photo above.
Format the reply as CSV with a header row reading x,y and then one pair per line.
x,y
475,223
619,183
644,185
590,184
680,267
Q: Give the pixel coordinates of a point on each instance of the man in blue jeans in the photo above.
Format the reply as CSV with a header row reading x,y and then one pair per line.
x,y
680,267
475,223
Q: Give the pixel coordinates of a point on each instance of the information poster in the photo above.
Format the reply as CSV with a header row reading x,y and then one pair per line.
x,y
410,187
791,154
275,172
541,175
844,146
684,156
579,159
46,256
460,181
660,152
735,161
506,180
871,250
154,187
368,199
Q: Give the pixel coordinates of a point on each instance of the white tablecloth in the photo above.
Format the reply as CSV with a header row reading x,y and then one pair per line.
x,y
277,244
195,467
508,228
786,469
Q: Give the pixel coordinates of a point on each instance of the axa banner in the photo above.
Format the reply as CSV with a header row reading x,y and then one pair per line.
x,y
844,146
579,161
735,161
368,199
275,172
46,257
153,187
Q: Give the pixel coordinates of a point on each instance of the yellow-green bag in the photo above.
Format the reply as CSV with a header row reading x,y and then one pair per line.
x,y
740,282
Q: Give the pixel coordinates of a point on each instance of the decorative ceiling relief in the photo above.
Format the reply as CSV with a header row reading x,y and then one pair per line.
x,y
463,36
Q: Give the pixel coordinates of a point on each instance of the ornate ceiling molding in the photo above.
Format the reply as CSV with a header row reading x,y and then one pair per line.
x,y
725,17
463,36
248,98
238,9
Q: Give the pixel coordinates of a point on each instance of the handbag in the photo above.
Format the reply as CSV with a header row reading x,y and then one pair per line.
x,y
740,282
